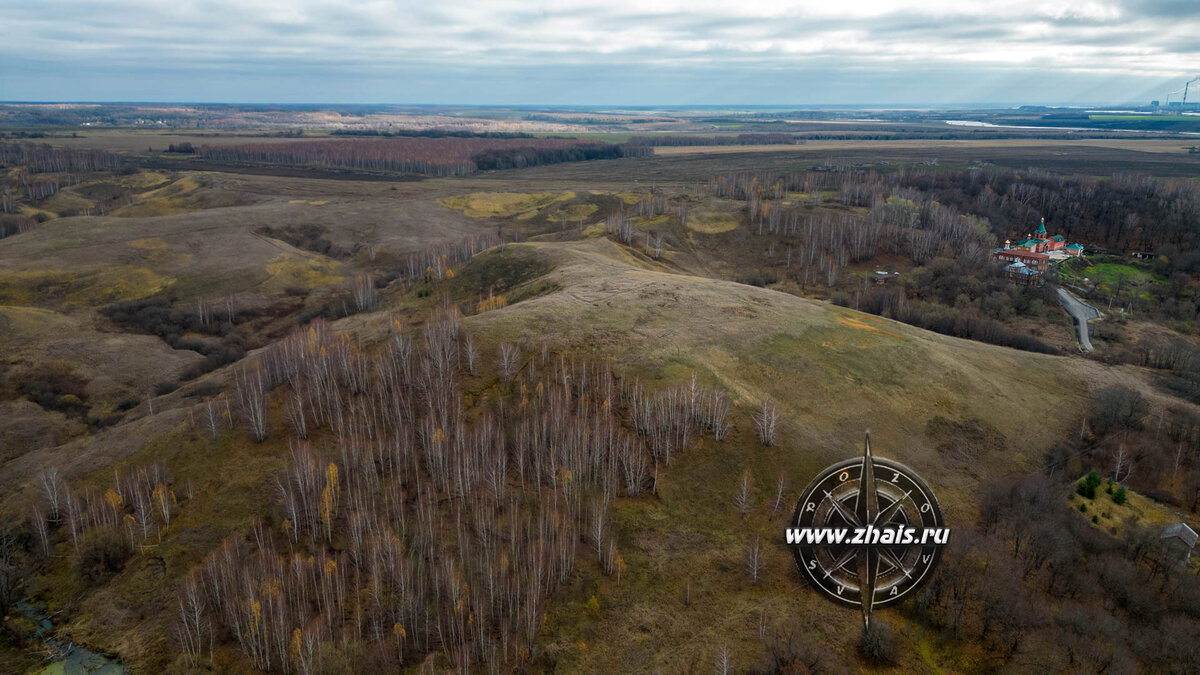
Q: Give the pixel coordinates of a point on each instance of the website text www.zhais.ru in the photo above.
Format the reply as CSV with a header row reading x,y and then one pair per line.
x,y
867,536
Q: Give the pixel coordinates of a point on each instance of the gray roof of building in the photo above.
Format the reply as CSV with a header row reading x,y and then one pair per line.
x,y
1180,531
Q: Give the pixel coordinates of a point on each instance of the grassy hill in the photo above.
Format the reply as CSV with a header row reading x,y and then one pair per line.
x,y
835,374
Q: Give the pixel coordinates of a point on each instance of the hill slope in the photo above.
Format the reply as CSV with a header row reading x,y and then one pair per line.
x,y
956,411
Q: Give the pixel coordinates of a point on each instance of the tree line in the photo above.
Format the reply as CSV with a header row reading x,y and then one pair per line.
x,y
662,140
435,156
44,158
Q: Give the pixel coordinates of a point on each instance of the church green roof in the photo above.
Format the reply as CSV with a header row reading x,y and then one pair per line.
x,y
1057,237
1041,227
1079,246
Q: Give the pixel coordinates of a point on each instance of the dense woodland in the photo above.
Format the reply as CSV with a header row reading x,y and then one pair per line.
x,y
441,156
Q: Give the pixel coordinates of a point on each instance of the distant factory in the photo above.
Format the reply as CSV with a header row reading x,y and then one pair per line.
x,y
1181,102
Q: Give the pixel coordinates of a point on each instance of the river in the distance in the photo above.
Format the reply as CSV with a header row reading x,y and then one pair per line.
x,y
989,125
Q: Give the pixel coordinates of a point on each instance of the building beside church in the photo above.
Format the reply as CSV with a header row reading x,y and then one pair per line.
x,y
1038,262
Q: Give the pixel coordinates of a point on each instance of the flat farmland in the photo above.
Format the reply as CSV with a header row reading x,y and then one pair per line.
x,y
138,141
1158,145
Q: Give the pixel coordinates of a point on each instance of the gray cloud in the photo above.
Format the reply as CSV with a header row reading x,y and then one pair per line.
x,y
1161,9
379,50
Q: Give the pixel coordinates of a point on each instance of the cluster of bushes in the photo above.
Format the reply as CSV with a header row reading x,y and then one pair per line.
x,y
1087,486
54,385
1091,482
982,287
947,321
760,278
306,237
1114,409
157,317
102,554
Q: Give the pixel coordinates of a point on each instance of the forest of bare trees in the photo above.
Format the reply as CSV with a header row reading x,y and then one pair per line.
x,y
42,158
406,522
819,245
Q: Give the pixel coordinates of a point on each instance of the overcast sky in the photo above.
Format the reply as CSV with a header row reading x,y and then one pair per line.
x,y
598,52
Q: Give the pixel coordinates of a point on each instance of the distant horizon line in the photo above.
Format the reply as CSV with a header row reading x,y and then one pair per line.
x,y
599,106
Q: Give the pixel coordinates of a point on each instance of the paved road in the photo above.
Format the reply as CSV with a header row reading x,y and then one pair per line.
x,y
1082,312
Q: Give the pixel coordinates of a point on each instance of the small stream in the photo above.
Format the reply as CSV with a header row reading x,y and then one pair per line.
x,y
69,658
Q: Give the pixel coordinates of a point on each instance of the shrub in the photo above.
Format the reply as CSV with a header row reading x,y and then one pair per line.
x,y
102,553
155,316
53,385
203,389
214,357
792,649
128,403
1119,496
875,643
102,422
1161,496
1116,408
761,278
